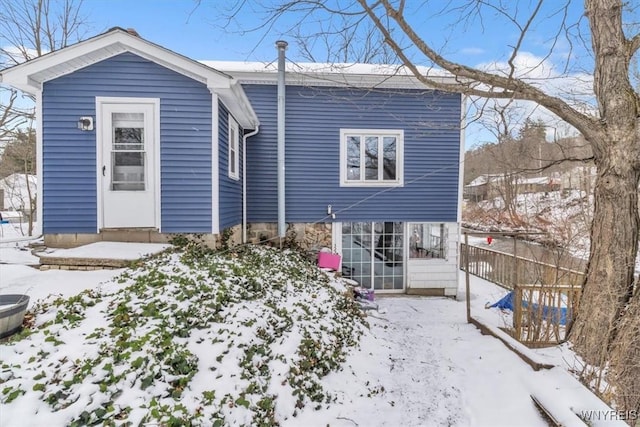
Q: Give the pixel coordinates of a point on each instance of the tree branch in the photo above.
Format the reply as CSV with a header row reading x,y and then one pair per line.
x,y
634,45
469,79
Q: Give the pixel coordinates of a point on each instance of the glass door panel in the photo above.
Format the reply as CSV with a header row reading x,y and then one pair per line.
x,y
128,152
373,254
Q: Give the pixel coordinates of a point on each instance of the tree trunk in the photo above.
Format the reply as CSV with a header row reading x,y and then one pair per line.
x,y
625,358
614,245
608,286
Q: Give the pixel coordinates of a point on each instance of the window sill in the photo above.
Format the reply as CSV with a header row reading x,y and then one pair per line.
x,y
360,184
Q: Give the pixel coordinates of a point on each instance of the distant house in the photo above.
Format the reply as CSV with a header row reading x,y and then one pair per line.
x,y
490,186
581,178
141,143
18,193
542,184
482,188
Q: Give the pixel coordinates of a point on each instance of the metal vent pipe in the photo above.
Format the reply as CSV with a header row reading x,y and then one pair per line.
x,y
282,47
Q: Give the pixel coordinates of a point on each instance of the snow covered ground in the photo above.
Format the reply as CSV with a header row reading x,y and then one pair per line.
x,y
420,364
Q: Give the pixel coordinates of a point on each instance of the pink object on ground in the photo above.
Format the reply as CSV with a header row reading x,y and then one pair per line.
x,y
329,260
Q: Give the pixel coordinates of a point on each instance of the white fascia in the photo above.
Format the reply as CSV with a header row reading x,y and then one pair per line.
x,y
39,166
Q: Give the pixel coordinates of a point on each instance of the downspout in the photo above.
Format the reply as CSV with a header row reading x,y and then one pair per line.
x,y
244,181
282,46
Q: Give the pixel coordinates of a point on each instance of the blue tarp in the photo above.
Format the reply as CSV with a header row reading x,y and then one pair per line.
x,y
553,314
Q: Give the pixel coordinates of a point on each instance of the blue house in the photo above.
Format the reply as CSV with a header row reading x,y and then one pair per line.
x,y
138,143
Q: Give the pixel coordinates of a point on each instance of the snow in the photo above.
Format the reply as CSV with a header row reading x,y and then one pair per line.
x,y
420,363
16,193
109,250
320,68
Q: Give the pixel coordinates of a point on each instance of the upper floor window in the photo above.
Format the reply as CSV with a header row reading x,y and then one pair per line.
x,y
371,157
234,144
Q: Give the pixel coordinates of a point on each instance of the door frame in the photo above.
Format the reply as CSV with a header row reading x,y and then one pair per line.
x,y
155,103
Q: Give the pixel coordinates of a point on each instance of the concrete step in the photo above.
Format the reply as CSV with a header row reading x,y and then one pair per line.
x,y
99,255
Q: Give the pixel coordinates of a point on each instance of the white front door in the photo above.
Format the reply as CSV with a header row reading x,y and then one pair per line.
x,y
128,143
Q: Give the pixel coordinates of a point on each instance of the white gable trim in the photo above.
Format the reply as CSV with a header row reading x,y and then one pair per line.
x,y
104,46
29,76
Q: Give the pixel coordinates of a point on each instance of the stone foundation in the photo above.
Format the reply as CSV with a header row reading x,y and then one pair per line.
x,y
309,237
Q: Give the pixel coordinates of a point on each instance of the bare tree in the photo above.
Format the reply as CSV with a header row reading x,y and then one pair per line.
x,y
29,29
18,168
351,39
609,40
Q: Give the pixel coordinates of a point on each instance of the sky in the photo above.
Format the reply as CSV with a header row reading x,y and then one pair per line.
x,y
202,30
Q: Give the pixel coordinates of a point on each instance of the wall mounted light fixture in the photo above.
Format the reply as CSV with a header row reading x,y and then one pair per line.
x,y
85,123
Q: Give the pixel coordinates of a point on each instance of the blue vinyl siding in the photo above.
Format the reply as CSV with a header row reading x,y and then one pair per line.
x,y
314,117
230,189
69,155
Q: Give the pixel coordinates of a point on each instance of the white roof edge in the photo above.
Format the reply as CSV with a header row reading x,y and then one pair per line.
x,y
25,77
20,74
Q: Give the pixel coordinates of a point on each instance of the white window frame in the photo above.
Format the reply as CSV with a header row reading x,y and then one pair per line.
x,y
398,133
234,146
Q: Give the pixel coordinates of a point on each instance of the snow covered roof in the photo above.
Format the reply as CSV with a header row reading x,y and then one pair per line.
x,y
327,74
483,179
536,180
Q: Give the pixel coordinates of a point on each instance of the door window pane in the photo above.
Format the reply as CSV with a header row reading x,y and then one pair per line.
x,y
127,153
128,171
372,254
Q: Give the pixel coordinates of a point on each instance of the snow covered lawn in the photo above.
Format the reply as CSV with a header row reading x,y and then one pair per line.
x,y
255,338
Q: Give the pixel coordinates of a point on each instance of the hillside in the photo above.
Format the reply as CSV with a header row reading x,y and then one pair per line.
x,y
563,217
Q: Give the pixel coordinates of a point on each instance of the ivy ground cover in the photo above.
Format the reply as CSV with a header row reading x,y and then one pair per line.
x,y
188,338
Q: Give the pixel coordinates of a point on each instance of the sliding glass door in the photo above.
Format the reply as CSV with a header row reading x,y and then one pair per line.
x,y
373,254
